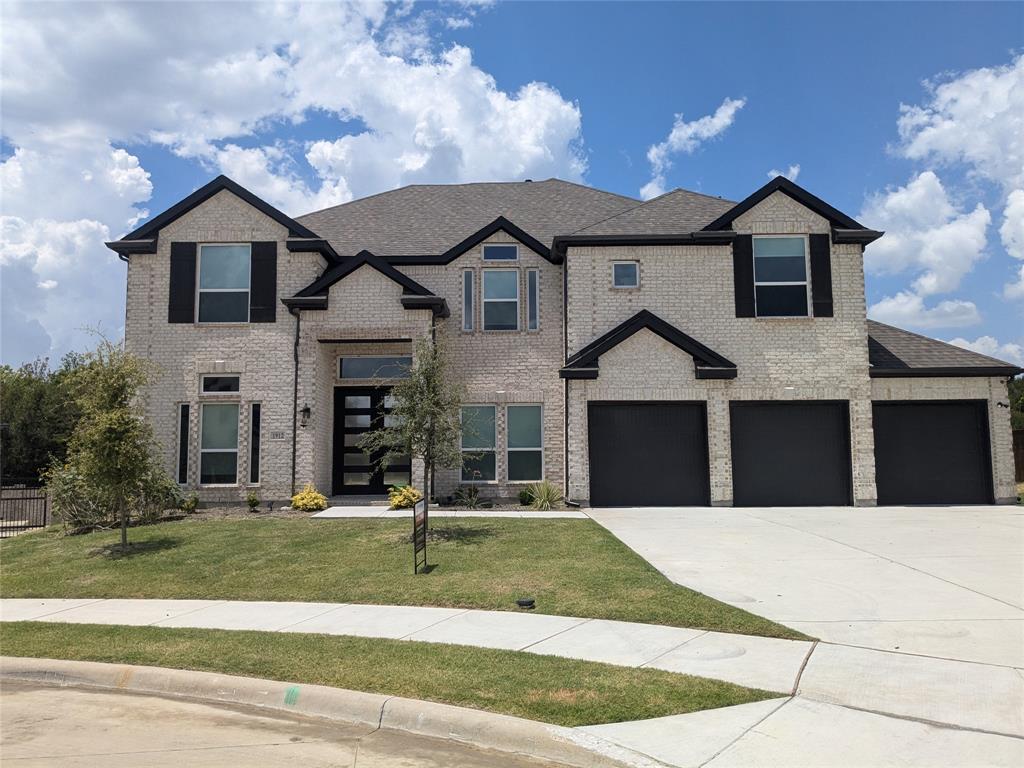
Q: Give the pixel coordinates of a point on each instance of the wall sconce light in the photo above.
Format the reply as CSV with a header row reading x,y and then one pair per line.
x,y
304,415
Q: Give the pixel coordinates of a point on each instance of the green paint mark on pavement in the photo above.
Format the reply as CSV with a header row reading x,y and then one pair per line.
x,y
291,695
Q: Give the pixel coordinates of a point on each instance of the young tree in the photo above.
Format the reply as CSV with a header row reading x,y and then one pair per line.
x,y
111,450
425,415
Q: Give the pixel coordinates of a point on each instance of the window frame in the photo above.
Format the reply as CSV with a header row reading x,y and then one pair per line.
x,y
493,449
805,238
633,287
533,302
214,393
235,450
483,252
484,301
468,297
200,291
539,448
183,454
255,446
341,357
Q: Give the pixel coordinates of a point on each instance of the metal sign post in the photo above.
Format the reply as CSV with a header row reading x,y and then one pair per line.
x,y
419,536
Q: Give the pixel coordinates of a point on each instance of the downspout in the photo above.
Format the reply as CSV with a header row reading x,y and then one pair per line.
x,y
295,390
565,394
433,473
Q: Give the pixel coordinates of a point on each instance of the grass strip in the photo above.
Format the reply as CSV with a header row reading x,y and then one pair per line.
x,y
570,567
546,688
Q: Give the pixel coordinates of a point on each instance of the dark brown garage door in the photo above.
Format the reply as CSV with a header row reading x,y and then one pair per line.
x,y
932,452
790,454
648,454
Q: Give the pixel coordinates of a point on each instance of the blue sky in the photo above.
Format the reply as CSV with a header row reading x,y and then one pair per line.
x,y
908,116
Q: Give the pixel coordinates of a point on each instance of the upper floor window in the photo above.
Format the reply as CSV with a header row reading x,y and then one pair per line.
x,y
625,274
780,276
501,300
383,367
467,300
216,383
501,252
224,283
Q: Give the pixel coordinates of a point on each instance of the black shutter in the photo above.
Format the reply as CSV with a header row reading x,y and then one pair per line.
x,y
181,302
821,275
743,274
263,283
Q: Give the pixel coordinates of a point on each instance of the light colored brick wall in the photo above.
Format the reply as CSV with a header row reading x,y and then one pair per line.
x,y
261,353
993,390
777,358
503,367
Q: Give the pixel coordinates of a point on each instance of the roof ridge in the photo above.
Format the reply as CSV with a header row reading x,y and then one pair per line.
x,y
937,341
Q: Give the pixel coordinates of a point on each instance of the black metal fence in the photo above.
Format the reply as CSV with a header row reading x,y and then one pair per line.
x,y
24,505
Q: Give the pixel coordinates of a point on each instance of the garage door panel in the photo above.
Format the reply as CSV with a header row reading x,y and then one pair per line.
x,y
648,454
790,454
932,452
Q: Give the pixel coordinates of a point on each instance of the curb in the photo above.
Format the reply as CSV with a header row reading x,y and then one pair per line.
x,y
486,730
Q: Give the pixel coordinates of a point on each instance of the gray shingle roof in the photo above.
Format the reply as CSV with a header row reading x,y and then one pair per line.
x,y
676,212
895,350
428,219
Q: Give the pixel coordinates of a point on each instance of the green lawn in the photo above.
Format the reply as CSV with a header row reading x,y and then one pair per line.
x,y
571,568
546,688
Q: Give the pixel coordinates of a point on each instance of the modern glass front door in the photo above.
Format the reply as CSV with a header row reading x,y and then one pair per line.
x,y
356,412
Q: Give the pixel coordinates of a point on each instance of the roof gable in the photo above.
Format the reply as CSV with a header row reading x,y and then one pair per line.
x,y
415,296
154,225
708,364
836,218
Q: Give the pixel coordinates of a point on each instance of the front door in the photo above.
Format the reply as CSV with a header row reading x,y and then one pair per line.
x,y
356,412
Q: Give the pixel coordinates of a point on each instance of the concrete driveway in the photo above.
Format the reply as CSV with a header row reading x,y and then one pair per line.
x,y
936,581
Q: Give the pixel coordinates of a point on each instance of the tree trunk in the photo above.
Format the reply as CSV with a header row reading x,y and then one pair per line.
x,y
124,530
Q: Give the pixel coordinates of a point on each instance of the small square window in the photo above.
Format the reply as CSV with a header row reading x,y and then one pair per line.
x,y
501,252
625,274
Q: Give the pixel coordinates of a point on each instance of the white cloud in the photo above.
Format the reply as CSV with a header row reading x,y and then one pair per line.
x,y
987,345
1015,290
975,118
924,233
685,138
790,173
908,310
1012,230
167,75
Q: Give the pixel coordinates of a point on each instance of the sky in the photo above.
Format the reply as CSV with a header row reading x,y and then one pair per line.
x,y
908,117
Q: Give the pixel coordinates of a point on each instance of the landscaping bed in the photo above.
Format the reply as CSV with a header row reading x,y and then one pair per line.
x,y
570,567
546,688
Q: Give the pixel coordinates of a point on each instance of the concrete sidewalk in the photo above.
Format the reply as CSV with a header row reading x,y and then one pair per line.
x,y
379,511
757,662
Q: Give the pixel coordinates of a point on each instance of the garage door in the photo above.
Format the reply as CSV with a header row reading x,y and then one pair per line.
x,y
790,454
932,453
648,454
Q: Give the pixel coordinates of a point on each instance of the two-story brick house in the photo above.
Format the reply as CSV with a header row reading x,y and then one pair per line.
x,y
687,350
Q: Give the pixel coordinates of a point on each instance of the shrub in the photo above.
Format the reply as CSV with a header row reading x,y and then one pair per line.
x,y
190,503
469,496
83,506
403,496
544,496
525,497
310,500
253,500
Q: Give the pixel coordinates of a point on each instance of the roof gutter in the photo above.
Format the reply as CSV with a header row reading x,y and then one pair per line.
x,y
935,372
